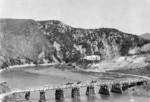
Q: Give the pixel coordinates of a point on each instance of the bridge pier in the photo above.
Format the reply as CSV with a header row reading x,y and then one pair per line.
x,y
59,94
140,83
125,86
104,89
144,82
27,95
75,93
117,88
42,96
90,90
132,84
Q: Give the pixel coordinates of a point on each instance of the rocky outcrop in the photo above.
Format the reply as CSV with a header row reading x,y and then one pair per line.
x,y
140,50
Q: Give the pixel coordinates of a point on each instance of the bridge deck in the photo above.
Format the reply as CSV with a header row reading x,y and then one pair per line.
x,y
82,84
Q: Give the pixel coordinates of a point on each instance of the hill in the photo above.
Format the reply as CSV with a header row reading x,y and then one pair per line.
x,y
21,41
26,41
72,44
146,36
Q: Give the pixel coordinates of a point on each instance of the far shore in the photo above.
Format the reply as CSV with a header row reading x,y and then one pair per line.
x,y
27,65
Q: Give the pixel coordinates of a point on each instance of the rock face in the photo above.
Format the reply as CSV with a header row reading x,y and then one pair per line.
x,y
21,41
25,41
72,44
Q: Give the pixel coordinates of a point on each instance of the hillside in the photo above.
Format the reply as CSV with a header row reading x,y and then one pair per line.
x,y
72,44
146,36
22,42
26,41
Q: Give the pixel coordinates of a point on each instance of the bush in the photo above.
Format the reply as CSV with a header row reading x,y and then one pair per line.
x,y
4,65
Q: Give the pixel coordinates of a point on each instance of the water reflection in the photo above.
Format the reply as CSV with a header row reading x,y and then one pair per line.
x,y
76,100
91,98
59,100
130,93
68,100
104,97
117,95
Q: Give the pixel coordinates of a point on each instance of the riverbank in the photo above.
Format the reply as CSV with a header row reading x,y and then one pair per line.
x,y
26,65
141,91
119,63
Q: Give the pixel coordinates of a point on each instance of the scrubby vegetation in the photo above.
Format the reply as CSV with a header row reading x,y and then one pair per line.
x,y
71,44
28,41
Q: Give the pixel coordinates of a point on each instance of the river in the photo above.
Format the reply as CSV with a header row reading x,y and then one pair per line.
x,y
24,78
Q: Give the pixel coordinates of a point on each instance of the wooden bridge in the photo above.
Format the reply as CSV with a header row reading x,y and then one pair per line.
x,y
106,86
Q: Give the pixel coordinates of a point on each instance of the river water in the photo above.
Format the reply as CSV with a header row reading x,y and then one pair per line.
x,y
22,79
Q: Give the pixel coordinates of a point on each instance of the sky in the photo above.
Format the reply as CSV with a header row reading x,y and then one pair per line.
x,y
130,16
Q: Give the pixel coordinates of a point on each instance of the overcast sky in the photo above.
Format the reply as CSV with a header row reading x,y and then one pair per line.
x,y
131,16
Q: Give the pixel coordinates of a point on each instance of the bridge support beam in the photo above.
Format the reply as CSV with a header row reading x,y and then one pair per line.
x,y
75,93
27,95
59,94
140,83
42,96
144,82
104,89
132,85
90,90
117,88
125,86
